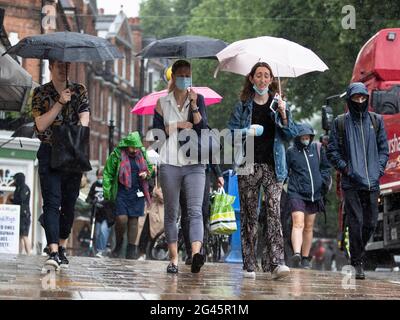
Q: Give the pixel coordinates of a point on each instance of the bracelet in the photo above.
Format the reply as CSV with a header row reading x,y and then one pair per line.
x,y
63,104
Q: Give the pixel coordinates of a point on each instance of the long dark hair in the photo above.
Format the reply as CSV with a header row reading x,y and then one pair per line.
x,y
248,91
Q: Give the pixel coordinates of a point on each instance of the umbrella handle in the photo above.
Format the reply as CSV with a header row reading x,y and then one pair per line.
x,y
66,76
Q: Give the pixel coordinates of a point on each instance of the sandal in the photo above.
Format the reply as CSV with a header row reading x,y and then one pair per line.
x,y
172,268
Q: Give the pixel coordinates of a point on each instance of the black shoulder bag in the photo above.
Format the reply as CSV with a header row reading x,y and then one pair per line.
x,y
70,149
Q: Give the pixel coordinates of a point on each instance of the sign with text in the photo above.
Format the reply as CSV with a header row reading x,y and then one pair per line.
x,y
9,228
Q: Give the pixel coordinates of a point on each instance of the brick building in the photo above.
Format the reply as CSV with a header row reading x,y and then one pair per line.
x,y
113,86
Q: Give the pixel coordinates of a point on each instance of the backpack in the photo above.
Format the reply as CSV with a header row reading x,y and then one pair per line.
x,y
319,146
341,128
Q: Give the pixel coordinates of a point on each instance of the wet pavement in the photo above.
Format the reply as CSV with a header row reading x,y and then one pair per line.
x,y
22,277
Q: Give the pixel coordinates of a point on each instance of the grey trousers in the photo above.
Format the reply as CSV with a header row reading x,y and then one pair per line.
x,y
191,178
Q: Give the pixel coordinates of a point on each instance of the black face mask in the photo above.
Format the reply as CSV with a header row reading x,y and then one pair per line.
x,y
359,107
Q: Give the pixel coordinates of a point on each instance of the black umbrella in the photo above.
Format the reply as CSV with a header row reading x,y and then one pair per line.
x,y
15,84
66,47
189,47
27,130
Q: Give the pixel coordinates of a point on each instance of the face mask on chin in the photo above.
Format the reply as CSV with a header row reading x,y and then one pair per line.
x,y
260,92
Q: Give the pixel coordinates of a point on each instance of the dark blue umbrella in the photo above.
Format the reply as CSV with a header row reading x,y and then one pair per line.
x,y
189,47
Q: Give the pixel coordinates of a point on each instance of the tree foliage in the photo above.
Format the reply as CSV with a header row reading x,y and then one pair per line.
x,y
314,24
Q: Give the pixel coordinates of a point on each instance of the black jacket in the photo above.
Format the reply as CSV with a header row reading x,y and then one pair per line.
x,y
22,195
104,210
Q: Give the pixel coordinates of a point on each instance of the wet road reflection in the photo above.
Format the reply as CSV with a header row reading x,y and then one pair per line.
x,y
21,277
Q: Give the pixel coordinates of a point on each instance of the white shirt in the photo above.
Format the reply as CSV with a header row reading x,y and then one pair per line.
x,y
169,152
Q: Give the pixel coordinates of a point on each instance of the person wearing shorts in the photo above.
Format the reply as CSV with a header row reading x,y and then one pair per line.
x,y
308,174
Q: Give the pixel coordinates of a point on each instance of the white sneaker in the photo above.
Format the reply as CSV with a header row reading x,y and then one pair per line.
x,y
280,272
249,274
99,254
142,258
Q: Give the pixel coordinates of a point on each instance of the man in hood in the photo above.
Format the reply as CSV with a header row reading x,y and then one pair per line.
x,y
358,149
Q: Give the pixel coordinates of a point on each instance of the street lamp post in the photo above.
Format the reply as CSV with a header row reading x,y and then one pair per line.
x,y
141,94
111,136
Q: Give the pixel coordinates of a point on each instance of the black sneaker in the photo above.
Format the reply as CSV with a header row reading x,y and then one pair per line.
x,y
360,275
306,262
132,252
53,261
63,257
197,262
46,250
172,268
295,260
188,261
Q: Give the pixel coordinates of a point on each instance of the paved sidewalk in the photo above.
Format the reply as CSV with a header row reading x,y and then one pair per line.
x,y
21,277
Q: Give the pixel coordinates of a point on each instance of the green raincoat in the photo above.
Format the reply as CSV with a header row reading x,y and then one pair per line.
x,y
111,170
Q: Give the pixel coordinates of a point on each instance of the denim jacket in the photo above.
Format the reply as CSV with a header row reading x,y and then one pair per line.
x,y
241,118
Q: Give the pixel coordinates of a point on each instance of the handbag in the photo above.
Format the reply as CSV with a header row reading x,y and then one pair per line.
x,y
70,150
207,144
222,216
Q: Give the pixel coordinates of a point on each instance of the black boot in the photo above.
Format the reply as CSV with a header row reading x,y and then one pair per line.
x,y
132,252
116,253
360,275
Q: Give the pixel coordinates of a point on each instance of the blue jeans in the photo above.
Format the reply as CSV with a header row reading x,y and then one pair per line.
x,y
102,234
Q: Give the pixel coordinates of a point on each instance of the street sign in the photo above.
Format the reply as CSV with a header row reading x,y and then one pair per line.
x,y
9,228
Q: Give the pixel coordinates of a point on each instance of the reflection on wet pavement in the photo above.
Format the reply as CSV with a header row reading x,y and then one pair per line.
x,y
21,277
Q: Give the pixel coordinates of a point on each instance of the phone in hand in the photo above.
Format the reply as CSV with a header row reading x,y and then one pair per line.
x,y
274,104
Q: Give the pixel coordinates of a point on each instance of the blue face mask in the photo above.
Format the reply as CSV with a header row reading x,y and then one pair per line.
x,y
260,92
183,83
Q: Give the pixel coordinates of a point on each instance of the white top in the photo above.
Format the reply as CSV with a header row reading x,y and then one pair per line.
x,y
169,152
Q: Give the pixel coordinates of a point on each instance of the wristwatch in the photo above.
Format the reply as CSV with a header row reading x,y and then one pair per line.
x,y
195,110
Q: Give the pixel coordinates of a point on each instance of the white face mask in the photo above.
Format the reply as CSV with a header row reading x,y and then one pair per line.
x,y
305,142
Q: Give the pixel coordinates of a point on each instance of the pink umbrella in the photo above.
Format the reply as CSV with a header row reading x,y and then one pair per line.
x,y
147,104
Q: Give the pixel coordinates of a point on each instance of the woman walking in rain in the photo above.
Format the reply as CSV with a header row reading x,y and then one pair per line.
x,y
182,108
125,182
270,128
308,174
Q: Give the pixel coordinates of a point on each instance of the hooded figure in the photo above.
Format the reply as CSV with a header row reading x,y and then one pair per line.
x,y
361,158
125,182
22,196
308,168
112,168
365,152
